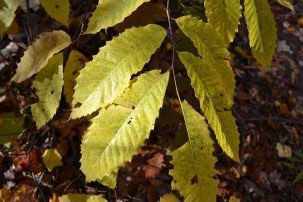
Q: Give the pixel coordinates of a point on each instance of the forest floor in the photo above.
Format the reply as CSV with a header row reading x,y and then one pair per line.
x,y
268,109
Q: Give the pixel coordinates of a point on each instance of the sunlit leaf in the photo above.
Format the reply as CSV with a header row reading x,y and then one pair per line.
x,y
118,131
208,86
211,47
193,162
262,31
286,4
48,85
76,61
57,9
205,38
81,198
111,12
38,54
106,77
7,14
51,159
224,16
169,198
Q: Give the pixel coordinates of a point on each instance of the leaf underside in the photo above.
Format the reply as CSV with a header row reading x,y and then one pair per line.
x,y
107,145
208,87
193,162
108,74
262,31
111,12
37,55
224,16
48,84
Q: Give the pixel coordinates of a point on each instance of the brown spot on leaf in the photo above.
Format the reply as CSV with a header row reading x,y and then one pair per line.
x,y
194,180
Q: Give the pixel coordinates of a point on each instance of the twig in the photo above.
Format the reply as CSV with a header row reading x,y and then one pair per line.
x,y
28,30
174,50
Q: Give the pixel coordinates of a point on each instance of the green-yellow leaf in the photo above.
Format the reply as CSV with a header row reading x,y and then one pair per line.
x,y
286,4
205,38
193,162
51,159
10,127
169,198
107,145
211,47
81,198
48,85
106,77
208,86
111,12
262,31
7,14
224,16
75,62
57,9
38,54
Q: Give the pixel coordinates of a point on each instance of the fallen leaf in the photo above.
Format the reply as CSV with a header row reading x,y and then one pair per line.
x,y
284,151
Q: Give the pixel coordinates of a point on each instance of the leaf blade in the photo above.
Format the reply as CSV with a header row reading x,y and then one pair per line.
x,y
7,14
37,55
57,9
208,87
110,71
122,137
262,32
111,12
224,16
48,85
205,38
195,182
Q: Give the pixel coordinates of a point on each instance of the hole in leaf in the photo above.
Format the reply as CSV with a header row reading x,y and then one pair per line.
x,y
194,180
52,92
57,6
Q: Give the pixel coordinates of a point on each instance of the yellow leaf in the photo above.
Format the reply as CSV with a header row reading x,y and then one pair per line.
x,y
111,12
209,89
106,77
38,54
48,84
193,162
57,9
169,198
76,61
7,14
286,4
107,145
212,48
224,16
147,13
81,198
51,159
262,31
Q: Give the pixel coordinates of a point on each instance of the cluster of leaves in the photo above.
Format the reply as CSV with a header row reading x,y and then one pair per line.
x,y
129,105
